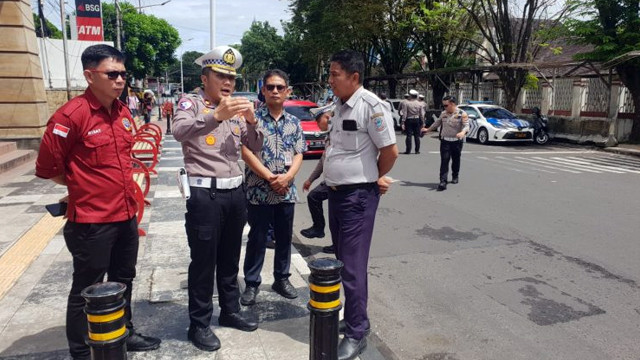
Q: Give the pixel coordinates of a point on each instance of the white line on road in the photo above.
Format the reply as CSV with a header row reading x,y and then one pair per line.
x,y
610,168
503,164
529,165
543,164
565,163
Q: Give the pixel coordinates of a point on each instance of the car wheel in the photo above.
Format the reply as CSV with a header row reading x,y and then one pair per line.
x,y
483,136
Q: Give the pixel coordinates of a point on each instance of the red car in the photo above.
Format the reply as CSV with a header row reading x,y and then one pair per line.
x,y
314,138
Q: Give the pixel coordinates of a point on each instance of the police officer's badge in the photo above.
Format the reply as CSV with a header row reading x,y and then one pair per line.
x,y
127,124
229,57
185,104
205,111
378,121
236,130
210,139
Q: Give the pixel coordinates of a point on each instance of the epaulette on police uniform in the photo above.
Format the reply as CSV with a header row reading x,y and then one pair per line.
x,y
370,99
73,105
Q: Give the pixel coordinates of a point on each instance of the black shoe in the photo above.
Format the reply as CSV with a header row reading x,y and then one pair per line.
x,y
454,180
407,152
235,320
87,357
312,232
139,342
248,297
203,338
284,288
271,244
350,348
342,327
329,249
442,186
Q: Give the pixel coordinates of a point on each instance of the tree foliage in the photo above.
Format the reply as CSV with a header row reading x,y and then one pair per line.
x,y
262,49
512,34
443,32
614,30
147,42
52,31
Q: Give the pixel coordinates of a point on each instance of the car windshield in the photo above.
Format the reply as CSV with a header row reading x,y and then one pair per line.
x,y
301,112
497,113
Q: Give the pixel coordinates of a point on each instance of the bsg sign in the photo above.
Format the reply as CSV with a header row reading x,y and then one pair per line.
x,y
89,20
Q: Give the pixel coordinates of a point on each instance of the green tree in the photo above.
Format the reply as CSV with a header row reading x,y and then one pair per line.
x,y
614,29
512,33
442,31
262,49
52,31
147,42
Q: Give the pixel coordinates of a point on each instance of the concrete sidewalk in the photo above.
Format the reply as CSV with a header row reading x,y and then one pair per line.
x,y
32,309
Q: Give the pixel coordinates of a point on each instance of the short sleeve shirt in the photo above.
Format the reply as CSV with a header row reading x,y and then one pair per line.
x,y
92,149
359,128
283,140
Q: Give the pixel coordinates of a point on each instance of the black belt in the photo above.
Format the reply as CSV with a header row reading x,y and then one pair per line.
x,y
353,186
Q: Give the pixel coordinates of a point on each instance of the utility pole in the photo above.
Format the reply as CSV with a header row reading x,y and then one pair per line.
x,y
118,21
65,48
44,32
212,8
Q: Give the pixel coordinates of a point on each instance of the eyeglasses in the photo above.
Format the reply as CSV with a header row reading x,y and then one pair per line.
x,y
270,87
446,105
113,75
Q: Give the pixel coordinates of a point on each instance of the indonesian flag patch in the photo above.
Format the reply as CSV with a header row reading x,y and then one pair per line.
x,y
61,130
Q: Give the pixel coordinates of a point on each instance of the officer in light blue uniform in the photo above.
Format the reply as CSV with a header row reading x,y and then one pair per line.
x,y
362,150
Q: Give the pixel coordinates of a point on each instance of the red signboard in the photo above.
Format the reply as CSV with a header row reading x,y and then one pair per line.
x,y
89,20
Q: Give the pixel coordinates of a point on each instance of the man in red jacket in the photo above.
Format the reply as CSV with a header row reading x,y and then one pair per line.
x,y
87,147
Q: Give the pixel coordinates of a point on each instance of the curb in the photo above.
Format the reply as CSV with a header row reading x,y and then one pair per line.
x,y
622,151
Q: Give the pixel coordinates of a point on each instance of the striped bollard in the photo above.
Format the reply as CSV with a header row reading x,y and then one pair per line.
x,y
324,286
107,324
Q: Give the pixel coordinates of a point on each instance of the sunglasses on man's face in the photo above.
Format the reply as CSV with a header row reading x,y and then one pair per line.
x,y
112,75
270,87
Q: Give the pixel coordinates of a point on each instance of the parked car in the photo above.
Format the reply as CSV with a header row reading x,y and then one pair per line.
x,y
494,123
313,136
394,112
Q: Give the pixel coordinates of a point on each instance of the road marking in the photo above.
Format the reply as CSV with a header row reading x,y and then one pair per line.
x,y
503,164
529,165
543,164
524,152
607,168
23,252
565,163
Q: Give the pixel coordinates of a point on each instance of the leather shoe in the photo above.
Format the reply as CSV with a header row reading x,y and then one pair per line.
x,y
203,338
454,180
312,232
342,327
407,152
329,249
284,288
235,320
271,244
417,152
248,297
442,186
350,348
139,342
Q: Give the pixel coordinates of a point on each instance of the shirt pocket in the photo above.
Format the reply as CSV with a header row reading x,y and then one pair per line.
x,y
349,140
100,150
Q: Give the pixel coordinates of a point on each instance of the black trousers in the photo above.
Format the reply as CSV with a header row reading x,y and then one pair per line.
x,y
214,223
412,128
98,249
260,218
168,124
315,198
450,150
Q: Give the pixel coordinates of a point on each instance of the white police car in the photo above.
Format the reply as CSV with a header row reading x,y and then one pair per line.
x,y
494,123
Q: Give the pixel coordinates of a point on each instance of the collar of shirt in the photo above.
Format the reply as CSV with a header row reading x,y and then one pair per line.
x,y
206,99
264,114
95,104
354,97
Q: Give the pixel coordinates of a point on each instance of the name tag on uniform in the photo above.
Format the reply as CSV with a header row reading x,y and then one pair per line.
x,y
288,159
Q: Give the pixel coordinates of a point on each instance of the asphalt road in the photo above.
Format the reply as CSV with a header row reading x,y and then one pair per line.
x,y
533,255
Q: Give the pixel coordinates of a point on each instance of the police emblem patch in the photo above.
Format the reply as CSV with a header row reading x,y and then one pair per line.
x,y
229,57
185,104
378,121
126,123
236,130
210,140
205,111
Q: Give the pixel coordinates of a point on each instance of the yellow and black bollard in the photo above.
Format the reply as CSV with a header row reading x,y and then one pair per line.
x,y
107,324
324,286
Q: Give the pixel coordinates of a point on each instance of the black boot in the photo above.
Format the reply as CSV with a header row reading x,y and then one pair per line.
x,y
442,186
248,297
203,338
312,232
235,320
350,348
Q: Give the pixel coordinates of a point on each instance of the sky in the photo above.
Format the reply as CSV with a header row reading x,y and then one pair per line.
x,y
191,18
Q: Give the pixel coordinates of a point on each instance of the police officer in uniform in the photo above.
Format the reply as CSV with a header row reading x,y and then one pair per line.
x,y
454,125
211,125
412,121
362,150
87,147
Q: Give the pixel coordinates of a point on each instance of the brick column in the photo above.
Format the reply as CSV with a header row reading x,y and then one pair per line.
x,y
23,102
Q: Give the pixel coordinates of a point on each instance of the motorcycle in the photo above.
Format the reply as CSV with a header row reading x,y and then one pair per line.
x,y
540,133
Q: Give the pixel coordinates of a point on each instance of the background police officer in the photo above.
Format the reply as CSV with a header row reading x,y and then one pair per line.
x,y
211,126
87,147
412,121
361,151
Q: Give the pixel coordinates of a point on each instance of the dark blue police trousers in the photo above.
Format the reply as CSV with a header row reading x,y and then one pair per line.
x,y
351,218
